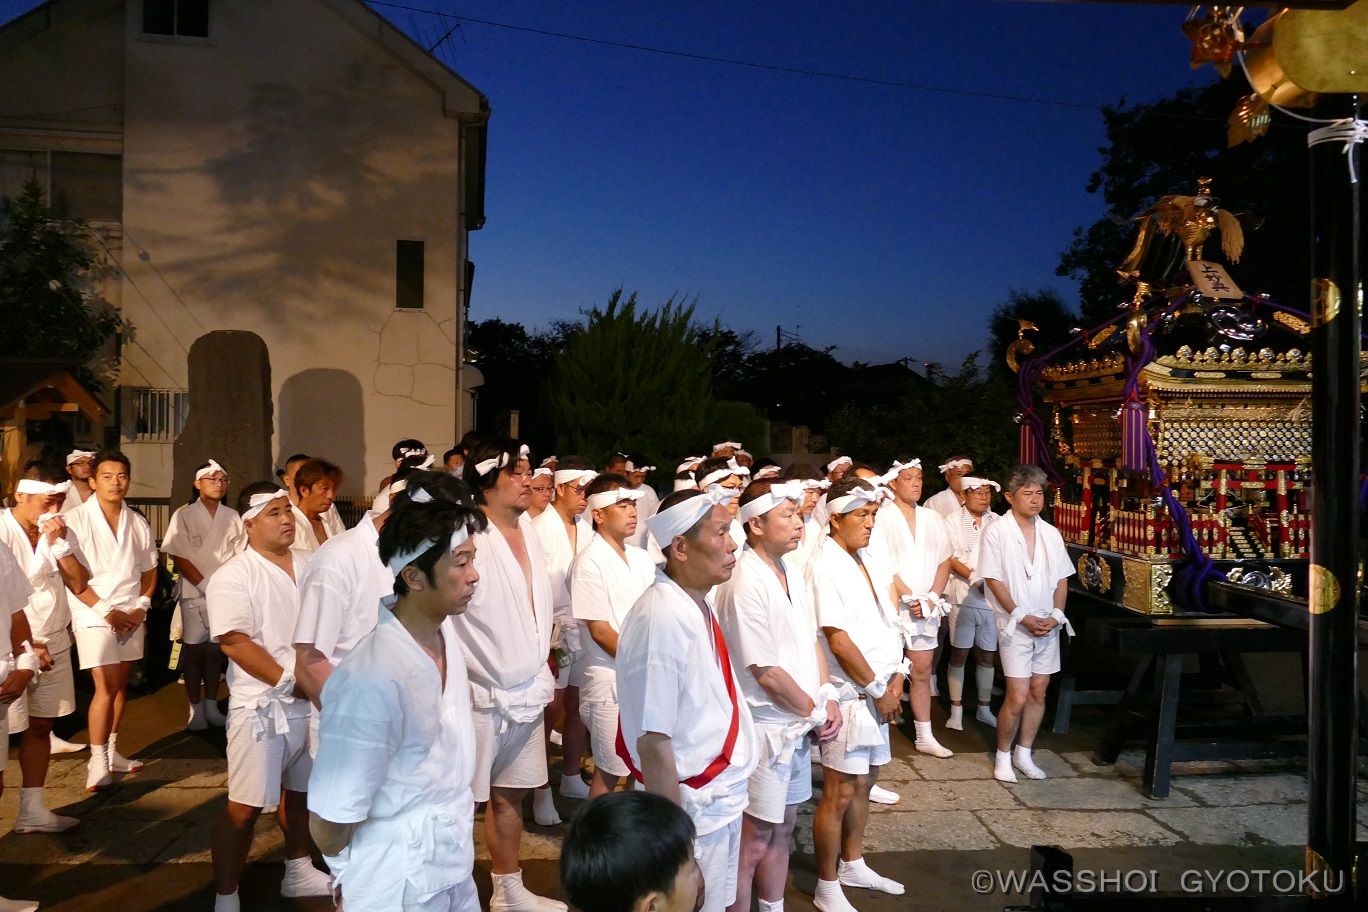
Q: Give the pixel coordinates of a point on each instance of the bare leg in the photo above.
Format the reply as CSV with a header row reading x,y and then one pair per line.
x,y
504,829
574,736
120,698
1034,709
838,793
109,685
1010,715
294,824
603,783
213,667
920,694
771,877
231,841
857,816
35,750
755,842
192,669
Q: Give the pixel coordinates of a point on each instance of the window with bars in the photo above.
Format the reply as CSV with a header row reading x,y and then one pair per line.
x,y
158,415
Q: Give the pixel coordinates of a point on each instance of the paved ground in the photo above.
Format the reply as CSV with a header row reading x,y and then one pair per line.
x,y
145,844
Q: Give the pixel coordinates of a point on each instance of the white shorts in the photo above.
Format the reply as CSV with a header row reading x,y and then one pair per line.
x,y
51,695
194,616
572,673
602,721
515,759
258,770
773,787
719,855
1024,655
973,625
98,645
855,761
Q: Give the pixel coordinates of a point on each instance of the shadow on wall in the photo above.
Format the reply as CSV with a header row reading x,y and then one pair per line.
x,y
230,412
321,413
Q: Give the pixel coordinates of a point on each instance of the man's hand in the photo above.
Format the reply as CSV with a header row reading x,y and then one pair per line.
x,y
14,686
53,529
832,728
136,617
915,606
120,621
887,705
44,657
1037,626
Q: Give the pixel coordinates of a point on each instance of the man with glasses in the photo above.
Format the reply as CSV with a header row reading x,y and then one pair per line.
x,y
79,469
201,537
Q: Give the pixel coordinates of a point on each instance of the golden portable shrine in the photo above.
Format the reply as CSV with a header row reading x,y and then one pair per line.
x,y
1180,435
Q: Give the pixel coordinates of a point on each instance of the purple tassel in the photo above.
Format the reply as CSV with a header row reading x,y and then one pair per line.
x,y
1134,434
1029,453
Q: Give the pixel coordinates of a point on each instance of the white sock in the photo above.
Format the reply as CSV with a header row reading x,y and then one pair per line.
x,y
859,874
955,678
31,801
923,734
297,866
1024,762
956,719
983,682
226,902
763,906
99,754
829,897
1004,757
113,739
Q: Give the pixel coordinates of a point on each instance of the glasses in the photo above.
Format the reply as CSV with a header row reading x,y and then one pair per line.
x,y
214,479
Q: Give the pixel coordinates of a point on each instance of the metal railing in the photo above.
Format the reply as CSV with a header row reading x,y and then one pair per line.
x,y
159,415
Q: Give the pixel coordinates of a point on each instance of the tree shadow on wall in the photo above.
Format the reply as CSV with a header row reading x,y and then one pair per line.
x,y
322,414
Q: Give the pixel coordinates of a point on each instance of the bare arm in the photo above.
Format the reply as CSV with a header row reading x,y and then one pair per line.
x,y
331,838
604,634
1061,594
942,576
13,685
848,656
961,569
1001,595
148,584
188,570
658,765
251,657
311,672
780,687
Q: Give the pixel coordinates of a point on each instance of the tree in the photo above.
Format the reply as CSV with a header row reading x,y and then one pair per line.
x,y
1052,318
1162,148
633,380
48,294
515,364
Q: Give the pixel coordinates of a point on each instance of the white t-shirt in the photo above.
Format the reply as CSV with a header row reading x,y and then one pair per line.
x,y
340,591
396,755
505,639
965,537
767,627
671,682
251,595
943,502
204,540
1031,582
604,587
47,608
842,598
116,562
14,595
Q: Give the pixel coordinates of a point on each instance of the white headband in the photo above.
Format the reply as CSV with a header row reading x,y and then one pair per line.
x,y
210,469
640,468
771,471
684,484
897,469
955,463
689,464
579,477
77,455
617,495
426,463
537,473
42,488
405,452
968,483
546,462
741,452
855,499
459,536
669,524
734,444
721,494
815,484
259,502
731,468
837,463
774,497
498,462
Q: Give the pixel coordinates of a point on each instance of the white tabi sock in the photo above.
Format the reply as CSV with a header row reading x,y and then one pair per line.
x,y
762,906
227,902
956,720
926,742
1002,767
1021,759
829,897
858,874
955,678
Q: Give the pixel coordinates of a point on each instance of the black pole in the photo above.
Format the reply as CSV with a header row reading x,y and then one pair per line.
x,y
1332,748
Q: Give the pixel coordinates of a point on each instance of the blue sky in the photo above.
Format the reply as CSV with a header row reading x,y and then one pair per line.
x,y
886,221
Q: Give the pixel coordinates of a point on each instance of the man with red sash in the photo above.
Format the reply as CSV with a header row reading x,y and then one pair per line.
x,y
685,731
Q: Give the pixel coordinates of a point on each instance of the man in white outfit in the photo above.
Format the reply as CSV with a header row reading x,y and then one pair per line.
x,y
109,616
49,556
253,604
201,537
563,535
647,504
913,543
390,803
506,637
685,729
605,583
863,641
79,469
726,476
972,625
18,664
1026,569
767,620
316,519
947,502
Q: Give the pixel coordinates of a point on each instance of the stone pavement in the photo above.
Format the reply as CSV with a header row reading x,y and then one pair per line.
x,y
145,844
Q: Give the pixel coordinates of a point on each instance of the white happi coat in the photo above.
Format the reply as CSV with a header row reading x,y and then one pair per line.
x,y
560,553
116,561
943,502
251,595
965,541
767,627
340,591
396,756
14,594
506,640
914,558
670,681
305,541
48,610
73,499
1002,557
647,506
842,599
604,587
206,541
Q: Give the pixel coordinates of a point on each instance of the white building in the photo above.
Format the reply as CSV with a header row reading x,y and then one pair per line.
x,y
297,168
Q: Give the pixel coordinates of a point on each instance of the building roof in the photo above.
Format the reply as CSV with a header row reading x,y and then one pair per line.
x,y
24,378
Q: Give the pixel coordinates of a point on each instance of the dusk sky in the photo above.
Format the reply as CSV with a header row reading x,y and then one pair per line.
x,y
886,220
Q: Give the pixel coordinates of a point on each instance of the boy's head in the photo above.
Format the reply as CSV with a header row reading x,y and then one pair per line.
x,y
631,852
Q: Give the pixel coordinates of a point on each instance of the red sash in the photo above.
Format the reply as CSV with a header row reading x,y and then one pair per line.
x,y
722,760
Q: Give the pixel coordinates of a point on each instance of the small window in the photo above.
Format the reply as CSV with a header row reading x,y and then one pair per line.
x,y
185,18
408,275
